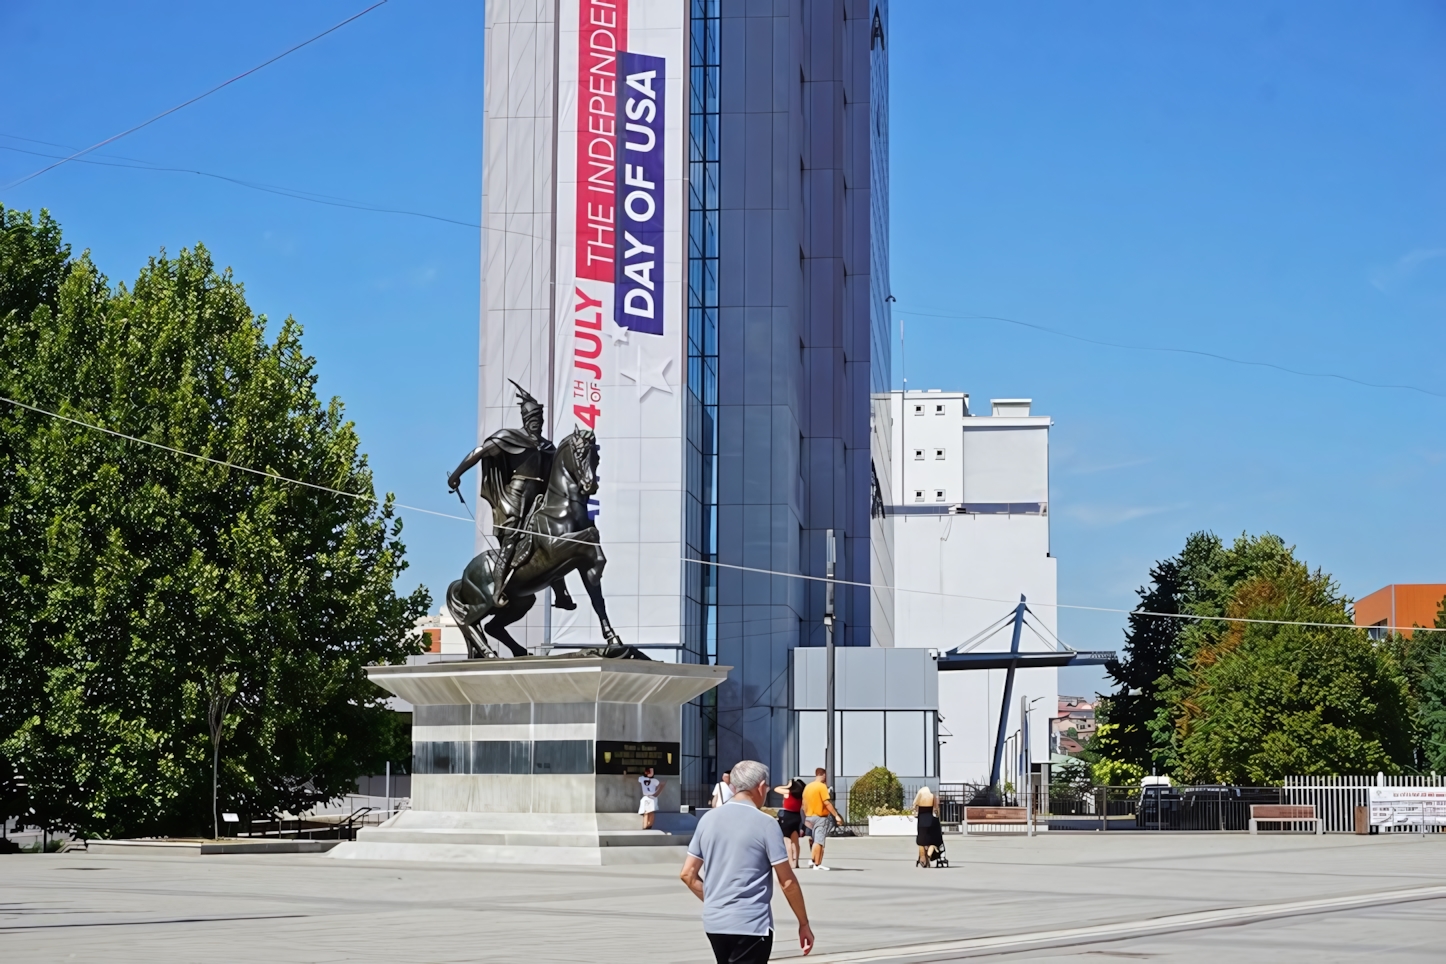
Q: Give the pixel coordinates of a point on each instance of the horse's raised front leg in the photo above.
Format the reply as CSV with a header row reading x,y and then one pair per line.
x,y
591,571
506,616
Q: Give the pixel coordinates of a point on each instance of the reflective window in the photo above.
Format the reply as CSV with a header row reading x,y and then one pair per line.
x,y
863,741
562,756
906,744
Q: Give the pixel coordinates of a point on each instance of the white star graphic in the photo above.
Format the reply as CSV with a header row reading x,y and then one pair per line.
x,y
649,368
616,332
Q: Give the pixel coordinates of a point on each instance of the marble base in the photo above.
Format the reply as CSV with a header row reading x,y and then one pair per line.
x,y
584,839
535,761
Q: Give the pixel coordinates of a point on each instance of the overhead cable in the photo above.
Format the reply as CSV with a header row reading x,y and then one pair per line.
x,y
291,192
1176,351
295,193
708,562
115,137
222,462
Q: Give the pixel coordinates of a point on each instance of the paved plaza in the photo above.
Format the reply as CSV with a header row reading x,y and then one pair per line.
x,y
1130,896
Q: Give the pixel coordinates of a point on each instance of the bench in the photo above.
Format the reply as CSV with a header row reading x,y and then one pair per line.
x,y
1284,813
994,818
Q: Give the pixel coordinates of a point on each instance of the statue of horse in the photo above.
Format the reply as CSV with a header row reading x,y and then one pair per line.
x,y
558,538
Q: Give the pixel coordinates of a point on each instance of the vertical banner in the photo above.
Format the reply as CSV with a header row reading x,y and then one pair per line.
x,y
620,325
640,183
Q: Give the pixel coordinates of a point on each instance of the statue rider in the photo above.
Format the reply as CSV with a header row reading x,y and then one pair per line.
x,y
514,467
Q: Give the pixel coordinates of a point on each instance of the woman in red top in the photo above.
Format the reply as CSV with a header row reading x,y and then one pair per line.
x,y
790,816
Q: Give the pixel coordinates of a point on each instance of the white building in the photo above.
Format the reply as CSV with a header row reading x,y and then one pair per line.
x,y
443,635
966,526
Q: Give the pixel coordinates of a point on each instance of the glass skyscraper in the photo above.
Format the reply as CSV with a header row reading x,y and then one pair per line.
x,y
725,360
789,334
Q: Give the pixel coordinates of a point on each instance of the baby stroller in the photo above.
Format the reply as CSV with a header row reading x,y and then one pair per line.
x,y
934,856
930,836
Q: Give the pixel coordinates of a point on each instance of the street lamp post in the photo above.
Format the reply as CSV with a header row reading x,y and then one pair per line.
x,y
1026,761
830,750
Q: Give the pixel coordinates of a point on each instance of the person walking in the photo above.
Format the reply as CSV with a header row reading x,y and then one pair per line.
x,y
929,834
819,815
722,791
648,806
735,853
790,816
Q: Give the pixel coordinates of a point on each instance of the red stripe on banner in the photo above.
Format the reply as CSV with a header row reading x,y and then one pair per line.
x,y
603,32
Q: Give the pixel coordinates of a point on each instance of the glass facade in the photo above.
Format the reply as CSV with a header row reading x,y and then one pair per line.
x,y
701,642
880,324
502,756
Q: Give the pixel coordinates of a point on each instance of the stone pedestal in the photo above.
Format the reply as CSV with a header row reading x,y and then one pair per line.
x,y
537,761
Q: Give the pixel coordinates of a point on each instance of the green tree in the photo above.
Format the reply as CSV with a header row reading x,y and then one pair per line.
x,y
133,579
1123,742
1205,699
1137,733
1260,701
1423,661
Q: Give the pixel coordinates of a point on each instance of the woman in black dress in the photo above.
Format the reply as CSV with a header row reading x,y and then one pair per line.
x,y
930,835
790,816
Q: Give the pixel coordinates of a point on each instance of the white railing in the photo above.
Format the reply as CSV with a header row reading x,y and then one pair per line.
x,y
1335,798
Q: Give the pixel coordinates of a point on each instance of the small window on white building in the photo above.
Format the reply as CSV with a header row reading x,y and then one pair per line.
x,y
918,453
918,410
938,453
938,409
938,495
918,495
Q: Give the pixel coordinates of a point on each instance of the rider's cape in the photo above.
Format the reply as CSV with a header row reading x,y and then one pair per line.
x,y
498,455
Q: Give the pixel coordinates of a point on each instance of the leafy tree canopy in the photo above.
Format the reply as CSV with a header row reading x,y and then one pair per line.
x,y
1259,701
1422,658
137,586
1197,582
1251,702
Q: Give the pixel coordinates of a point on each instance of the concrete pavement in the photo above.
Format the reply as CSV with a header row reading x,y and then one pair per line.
x,y
1127,896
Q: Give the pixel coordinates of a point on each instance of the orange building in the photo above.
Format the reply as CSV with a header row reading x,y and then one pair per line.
x,y
1400,605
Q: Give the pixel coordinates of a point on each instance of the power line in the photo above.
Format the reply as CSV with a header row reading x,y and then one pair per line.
x,y
296,193
202,96
706,562
1178,351
1096,609
222,462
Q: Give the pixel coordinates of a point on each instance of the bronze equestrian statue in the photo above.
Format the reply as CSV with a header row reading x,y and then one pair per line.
x,y
539,498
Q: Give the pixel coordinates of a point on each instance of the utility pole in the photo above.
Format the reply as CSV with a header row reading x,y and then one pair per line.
x,y
830,747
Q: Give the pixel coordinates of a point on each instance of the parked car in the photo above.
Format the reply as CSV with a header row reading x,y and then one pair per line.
x,y
1160,805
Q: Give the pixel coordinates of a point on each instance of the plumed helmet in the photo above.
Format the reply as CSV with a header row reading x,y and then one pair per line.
x,y
531,407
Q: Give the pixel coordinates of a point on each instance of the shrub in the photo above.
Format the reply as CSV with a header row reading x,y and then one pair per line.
x,y
875,791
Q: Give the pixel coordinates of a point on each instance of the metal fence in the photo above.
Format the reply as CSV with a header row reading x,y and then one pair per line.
x,y
1335,798
1193,808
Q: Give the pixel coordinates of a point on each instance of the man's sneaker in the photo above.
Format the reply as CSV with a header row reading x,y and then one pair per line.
x,y
819,867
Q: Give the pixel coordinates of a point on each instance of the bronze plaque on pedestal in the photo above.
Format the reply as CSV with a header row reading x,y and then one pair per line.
x,y
621,756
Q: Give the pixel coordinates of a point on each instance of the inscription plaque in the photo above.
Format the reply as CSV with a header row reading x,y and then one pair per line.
x,y
619,756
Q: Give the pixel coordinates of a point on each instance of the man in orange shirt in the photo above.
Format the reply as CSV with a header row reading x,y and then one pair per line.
x,y
819,815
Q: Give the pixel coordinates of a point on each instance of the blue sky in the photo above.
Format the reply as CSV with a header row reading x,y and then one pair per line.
x,y
1265,181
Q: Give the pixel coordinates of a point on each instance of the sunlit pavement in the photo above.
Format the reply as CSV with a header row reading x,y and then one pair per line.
x,y
1121,895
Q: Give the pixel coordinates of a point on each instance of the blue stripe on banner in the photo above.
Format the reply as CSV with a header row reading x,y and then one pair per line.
x,y
638,300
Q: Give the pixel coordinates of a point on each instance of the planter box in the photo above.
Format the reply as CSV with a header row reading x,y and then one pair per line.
x,y
893,826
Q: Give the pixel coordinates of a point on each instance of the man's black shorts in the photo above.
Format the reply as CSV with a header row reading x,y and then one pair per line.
x,y
741,948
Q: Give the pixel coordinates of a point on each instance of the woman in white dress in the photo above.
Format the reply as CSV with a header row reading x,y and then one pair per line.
x,y
648,806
